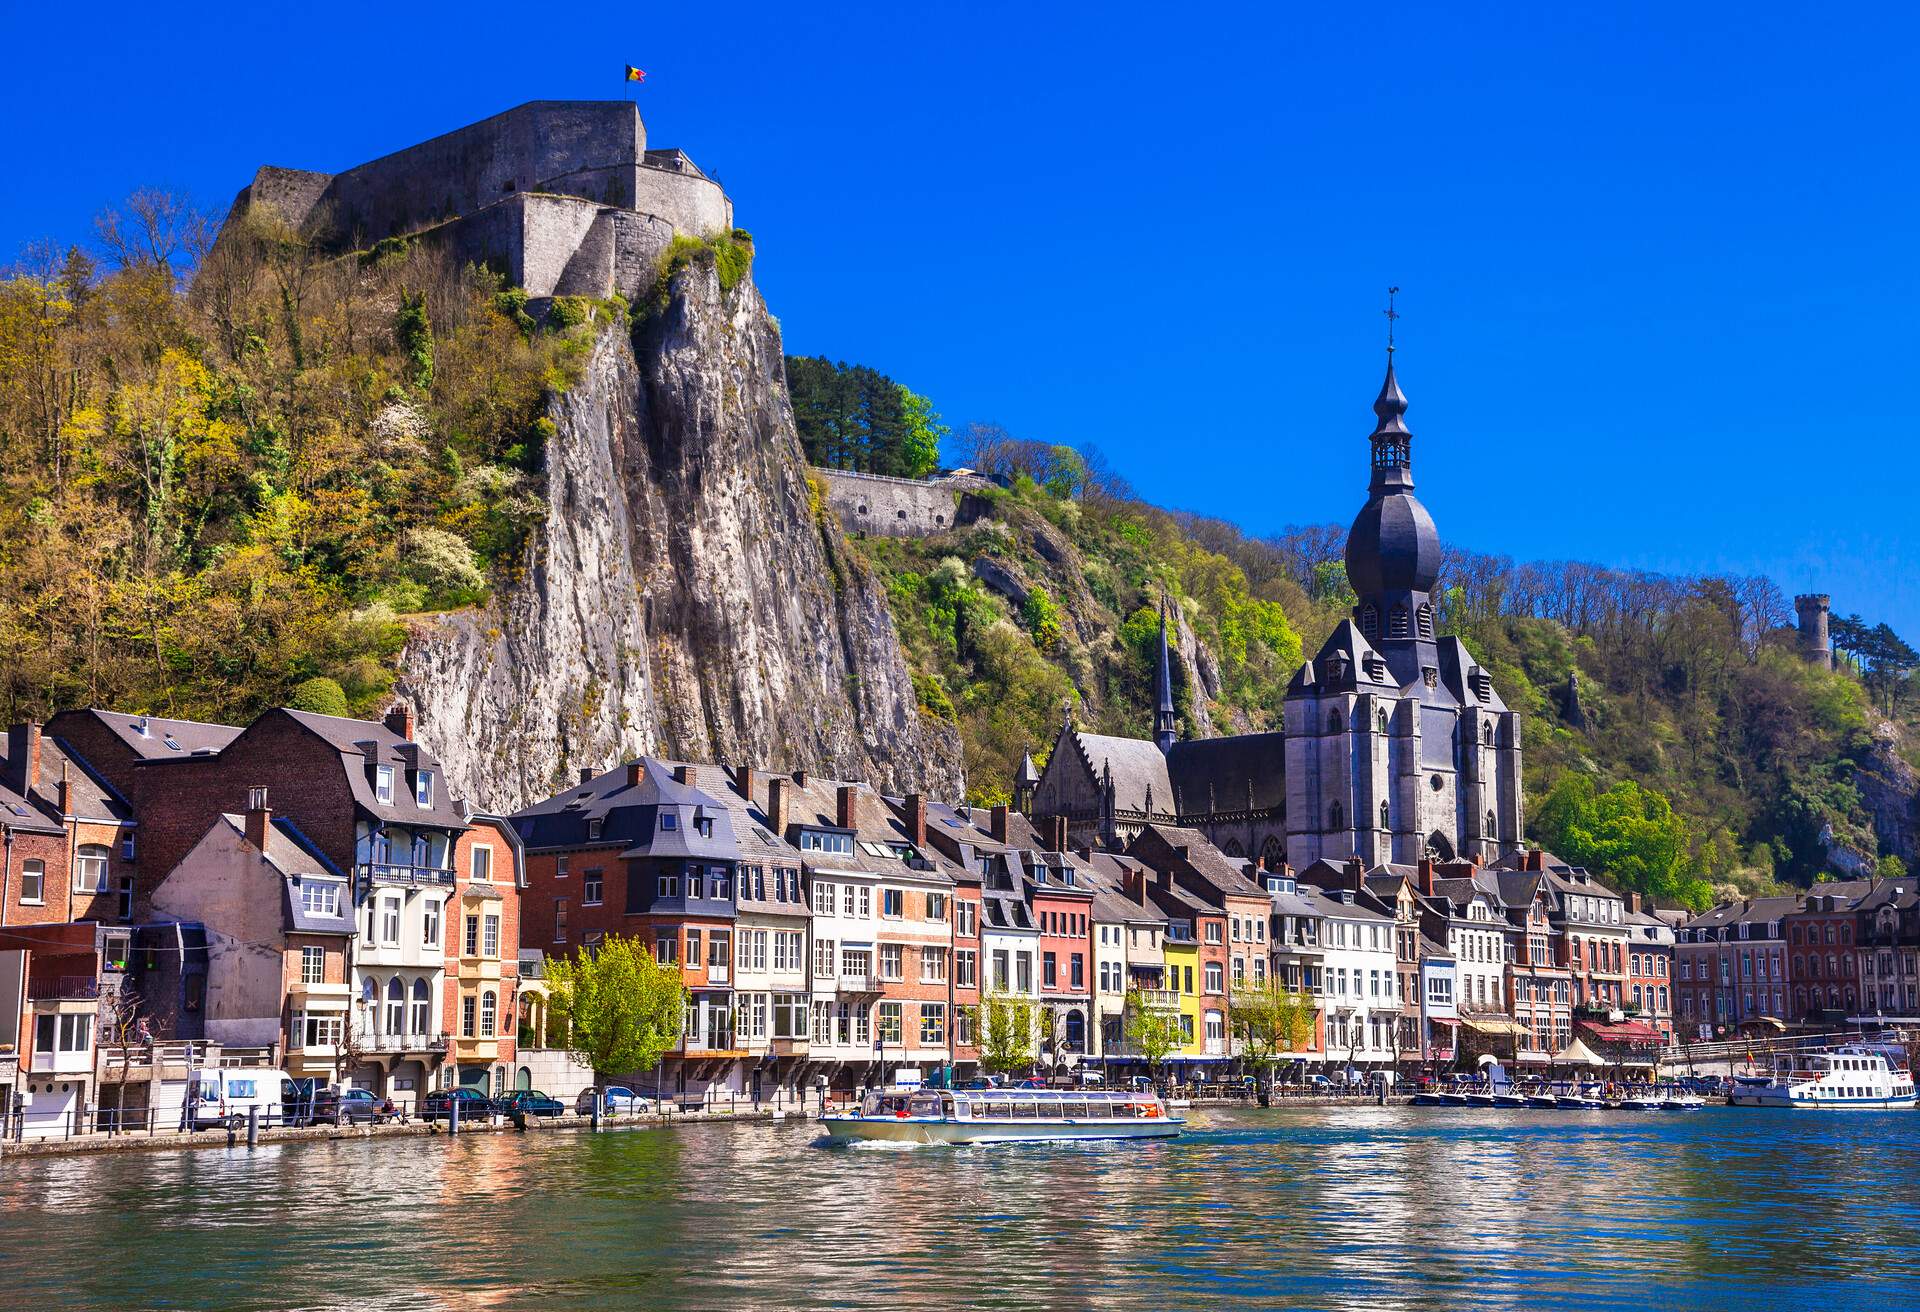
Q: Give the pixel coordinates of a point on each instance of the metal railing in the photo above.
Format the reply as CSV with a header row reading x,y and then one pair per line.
x,y
394,872
75,987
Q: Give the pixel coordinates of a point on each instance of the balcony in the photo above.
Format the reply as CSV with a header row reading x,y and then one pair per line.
x,y
388,872
477,1049
62,1062
790,1047
1161,999
63,988
862,984
402,1042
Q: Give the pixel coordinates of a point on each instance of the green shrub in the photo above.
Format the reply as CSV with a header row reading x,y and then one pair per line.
x,y
319,696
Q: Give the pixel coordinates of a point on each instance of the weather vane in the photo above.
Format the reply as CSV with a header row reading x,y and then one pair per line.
x,y
1391,314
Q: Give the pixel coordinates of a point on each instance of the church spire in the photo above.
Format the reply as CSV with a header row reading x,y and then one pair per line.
x,y
1391,442
1165,727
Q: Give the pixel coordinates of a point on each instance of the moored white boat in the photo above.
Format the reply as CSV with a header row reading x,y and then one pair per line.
x,y
964,1116
1852,1077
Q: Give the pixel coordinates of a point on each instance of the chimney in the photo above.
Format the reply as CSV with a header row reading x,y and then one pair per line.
x,y
997,823
399,718
916,819
23,757
1135,881
1426,875
258,817
1356,872
683,774
743,781
1056,833
586,774
843,806
636,771
1536,859
800,778
66,792
777,789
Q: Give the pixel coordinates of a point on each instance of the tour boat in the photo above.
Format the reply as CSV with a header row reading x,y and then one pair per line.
x,y
963,1116
1858,1075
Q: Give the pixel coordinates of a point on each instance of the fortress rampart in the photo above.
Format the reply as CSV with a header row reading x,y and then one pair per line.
x,y
563,197
901,507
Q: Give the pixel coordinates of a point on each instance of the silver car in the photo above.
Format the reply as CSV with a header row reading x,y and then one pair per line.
x,y
615,1100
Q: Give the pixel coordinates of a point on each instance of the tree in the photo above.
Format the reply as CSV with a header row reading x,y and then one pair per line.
x,y
319,696
1005,1025
1628,832
1154,1032
122,1025
921,435
1271,1020
621,1008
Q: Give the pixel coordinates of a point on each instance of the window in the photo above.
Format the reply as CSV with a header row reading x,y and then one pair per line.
x,y
490,944
1023,972
1049,971
33,882
814,841
933,965
423,787
1077,974
313,965
1000,970
856,963
892,903
696,881
396,1006
595,827
823,957
1216,981
593,887
383,784
489,1013
430,924
422,1008
469,1010
473,936
1336,817
966,968
822,898
936,906
966,919
892,1026
560,866
890,961
933,1024
559,920
90,869
666,949
669,886
719,945
1213,931
480,864
320,897
390,921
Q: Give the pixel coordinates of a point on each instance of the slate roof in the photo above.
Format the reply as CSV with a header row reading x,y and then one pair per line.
x,y
187,736
1222,872
1753,911
1211,774
345,735
1138,770
27,814
90,794
1332,903
292,854
629,816
816,804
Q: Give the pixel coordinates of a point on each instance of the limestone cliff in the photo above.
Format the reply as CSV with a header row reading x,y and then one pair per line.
x,y
685,597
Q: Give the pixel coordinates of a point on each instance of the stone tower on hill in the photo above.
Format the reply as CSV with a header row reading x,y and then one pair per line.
x,y
563,197
1815,642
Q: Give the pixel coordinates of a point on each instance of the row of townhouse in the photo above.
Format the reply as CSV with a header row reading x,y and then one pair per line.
x,y
1843,954
303,888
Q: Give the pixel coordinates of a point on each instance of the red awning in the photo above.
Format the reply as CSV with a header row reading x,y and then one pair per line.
x,y
1630,1031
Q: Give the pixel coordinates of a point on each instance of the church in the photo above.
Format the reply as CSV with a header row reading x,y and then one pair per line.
x,y
1394,745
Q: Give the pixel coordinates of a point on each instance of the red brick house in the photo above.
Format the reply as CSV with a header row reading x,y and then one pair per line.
x,y
483,954
68,834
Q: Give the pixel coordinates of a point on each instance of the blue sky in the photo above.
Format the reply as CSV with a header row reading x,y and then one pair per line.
x,y
1656,266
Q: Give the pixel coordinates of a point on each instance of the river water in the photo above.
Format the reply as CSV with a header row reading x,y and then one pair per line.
x,y
1387,1207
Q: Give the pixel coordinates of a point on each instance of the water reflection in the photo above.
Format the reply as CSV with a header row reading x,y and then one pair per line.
x,y
1393,1207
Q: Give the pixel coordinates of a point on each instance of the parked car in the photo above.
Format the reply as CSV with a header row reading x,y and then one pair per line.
x,y
223,1095
1319,1083
615,1100
530,1102
354,1107
438,1105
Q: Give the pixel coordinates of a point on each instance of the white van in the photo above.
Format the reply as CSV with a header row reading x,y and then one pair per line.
x,y
221,1095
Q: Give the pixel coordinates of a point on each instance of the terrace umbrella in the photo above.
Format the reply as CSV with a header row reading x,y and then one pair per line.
x,y
1578,1053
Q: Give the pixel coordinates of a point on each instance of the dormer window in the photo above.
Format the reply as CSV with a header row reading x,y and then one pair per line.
x,y
594,827
669,822
703,825
423,788
383,784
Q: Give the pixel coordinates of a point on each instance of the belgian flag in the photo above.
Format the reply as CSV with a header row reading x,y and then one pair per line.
x,y
636,74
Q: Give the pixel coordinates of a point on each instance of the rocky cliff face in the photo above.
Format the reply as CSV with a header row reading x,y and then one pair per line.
x,y
686,597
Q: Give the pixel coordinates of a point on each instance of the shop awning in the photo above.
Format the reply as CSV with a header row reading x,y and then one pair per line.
x,y
1494,1025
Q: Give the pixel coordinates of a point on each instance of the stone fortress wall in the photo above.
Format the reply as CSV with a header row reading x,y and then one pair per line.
x,y
884,506
564,197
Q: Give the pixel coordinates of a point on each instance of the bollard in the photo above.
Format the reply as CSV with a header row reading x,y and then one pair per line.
x,y
233,1130
253,1127
596,1111
453,1117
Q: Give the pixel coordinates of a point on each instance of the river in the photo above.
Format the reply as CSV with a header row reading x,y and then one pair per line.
x,y
1308,1207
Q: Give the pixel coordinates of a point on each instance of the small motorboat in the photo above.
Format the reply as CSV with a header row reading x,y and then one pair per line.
x,y
1544,1101
1508,1098
930,1116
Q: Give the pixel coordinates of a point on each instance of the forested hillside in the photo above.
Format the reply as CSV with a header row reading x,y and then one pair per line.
x,y
1673,735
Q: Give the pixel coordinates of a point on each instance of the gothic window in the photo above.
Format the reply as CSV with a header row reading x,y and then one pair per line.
x,y
1486,734
1493,826
1397,623
1438,847
1333,720
1336,816
1383,719
1233,849
1426,620
1370,621
1386,817
1272,855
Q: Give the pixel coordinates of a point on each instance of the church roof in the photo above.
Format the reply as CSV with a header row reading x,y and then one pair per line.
x,y
1138,767
1360,665
1211,774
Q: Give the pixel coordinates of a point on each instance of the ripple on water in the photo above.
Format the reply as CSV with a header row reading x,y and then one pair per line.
x,y
1394,1207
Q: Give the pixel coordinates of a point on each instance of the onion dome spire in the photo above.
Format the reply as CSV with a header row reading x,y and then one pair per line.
x,y
1391,442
